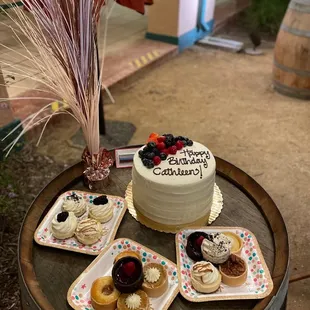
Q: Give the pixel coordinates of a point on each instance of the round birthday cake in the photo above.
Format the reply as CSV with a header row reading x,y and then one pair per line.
x,y
173,180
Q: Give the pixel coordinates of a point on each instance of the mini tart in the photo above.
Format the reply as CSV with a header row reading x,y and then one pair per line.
x,y
153,287
103,294
137,300
127,274
234,271
127,253
236,242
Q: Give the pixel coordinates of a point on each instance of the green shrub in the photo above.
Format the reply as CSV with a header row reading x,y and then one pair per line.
x,y
266,15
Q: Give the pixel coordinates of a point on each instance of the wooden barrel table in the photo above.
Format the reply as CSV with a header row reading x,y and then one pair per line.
x,y
291,71
47,273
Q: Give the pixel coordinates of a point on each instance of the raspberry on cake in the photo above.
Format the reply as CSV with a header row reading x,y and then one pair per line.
x,y
175,187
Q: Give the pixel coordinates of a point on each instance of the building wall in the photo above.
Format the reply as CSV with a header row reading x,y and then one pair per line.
x,y
188,12
179,21
163,17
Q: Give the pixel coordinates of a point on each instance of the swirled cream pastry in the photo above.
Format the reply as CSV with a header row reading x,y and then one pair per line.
x,y
101,209
205,277
88,231
215,248
64,225
75,204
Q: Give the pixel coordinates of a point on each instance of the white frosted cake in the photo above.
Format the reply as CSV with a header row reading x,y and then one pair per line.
x,y
175,190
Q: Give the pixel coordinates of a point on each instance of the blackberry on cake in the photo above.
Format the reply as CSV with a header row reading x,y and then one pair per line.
x,y
163,156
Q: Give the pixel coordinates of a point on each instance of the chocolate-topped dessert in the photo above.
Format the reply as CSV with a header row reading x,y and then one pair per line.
x,y
234,271
193,246
127,274
234,266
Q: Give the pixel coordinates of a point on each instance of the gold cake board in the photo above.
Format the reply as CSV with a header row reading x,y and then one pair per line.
x,y
216,209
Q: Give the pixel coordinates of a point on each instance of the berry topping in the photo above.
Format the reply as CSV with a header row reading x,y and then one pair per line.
x,y
179,145
148,163
153,137
184,142
161,139
129,268
101,200
156,151
156,160
172,150
199,240
161,145
151,145
163,156
165,151
61,217
149,155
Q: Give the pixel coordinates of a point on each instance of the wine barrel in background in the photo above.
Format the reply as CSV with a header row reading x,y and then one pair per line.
x,y
291,70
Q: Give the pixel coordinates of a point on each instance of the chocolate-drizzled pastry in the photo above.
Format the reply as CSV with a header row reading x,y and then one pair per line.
x,y
205,277
88,231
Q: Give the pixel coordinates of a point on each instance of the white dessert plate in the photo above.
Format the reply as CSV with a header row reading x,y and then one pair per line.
x,y
258,284
43,234
78,295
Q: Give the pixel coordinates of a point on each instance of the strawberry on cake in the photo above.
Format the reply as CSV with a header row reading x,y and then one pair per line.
x,y
173,180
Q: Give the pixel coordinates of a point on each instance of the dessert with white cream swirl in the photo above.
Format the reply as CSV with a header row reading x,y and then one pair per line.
x,y
133,301
136,301
155,280
75,204
101,209
64,225
215,248
88,231
205,277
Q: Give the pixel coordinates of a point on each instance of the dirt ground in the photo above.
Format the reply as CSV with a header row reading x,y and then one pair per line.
x,y
21,177
227,102
223,100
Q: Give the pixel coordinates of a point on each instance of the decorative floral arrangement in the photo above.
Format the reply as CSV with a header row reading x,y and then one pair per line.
x,y
65,33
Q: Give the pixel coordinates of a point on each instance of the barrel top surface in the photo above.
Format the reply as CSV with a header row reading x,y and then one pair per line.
x,y
47,273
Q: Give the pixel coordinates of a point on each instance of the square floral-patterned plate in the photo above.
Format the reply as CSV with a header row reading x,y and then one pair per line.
x,y
258,285
44,236
79,292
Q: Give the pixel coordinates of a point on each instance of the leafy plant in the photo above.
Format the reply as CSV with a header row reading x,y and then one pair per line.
x,y
266,15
